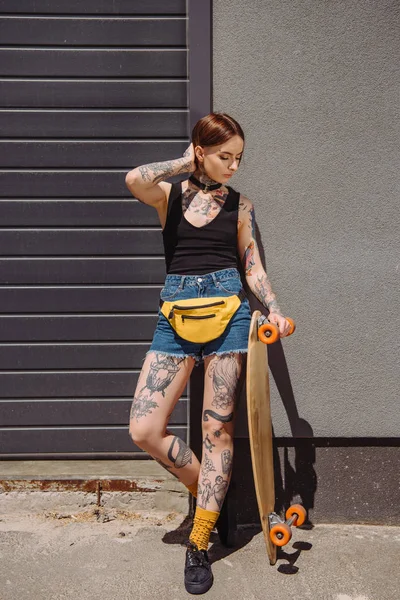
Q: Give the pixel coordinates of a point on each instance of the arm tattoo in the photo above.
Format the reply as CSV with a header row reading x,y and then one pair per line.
x,y
158,171
145,173
263,291
252,224
242,205
261,288
248,258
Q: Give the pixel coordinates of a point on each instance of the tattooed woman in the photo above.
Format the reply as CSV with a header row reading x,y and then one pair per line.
x,y
206,226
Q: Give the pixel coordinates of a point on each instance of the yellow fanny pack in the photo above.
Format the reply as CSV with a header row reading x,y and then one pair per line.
x,y
201,320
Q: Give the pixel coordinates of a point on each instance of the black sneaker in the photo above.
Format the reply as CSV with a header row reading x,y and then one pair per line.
x,y
198,574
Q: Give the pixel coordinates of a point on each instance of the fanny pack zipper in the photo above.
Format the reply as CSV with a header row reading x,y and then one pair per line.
x,y
183,317
171,314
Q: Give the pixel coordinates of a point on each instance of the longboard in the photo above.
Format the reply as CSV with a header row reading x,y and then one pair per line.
x,y
276,531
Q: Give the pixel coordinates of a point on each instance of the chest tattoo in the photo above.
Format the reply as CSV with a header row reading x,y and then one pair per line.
x,y
199,208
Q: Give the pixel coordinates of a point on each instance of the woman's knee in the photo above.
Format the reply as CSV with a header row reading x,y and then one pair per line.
x,y
217,432
138,434
144,435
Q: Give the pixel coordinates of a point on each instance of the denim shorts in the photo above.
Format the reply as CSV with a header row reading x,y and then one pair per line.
x,y
181,287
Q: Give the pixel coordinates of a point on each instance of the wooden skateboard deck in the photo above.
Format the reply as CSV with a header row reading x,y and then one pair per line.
x,y
277,531
260,430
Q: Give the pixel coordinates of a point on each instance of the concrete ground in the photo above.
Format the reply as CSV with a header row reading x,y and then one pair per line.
x,y
116,529
113,553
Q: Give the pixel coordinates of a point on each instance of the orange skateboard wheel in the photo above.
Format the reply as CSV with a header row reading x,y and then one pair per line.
x,y
292,325
280,534
297,509
268,333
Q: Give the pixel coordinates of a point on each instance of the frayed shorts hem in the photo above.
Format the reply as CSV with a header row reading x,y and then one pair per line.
x,y
222,352
173,354
198,358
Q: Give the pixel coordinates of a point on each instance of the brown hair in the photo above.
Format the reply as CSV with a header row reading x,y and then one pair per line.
x,y
215,128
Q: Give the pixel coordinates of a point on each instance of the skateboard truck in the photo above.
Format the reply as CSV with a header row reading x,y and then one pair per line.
x,y
280,531
268,332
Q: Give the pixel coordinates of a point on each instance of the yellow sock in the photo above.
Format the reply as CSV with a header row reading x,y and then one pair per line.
x,y
193,488
203,524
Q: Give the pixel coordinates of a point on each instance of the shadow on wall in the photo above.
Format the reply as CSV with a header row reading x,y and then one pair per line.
x,y
298,482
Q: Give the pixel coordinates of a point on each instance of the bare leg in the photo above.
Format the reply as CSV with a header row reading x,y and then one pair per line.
x,y
220,388
160,385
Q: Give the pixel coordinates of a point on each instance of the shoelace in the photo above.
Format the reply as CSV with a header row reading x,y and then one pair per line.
x,y
195,557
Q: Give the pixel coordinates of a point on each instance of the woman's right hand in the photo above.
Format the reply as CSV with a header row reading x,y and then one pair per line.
x,y
190,155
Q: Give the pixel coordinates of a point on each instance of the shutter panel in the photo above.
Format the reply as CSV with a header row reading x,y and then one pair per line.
x,y
88,90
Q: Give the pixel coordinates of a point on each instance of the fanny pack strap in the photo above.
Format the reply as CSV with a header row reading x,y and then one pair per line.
x,y
241,295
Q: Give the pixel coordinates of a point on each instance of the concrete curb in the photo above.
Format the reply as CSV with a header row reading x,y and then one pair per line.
x,y
54,485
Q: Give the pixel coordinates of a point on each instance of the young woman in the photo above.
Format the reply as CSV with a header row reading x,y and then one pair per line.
x,y
206,225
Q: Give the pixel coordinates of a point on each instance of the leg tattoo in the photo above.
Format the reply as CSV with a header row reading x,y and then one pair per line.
x,y
226,460
208,466
211,413
142,405
222,419
219,490
184,455
225,374
208,444
206,490
204,493
161,373
167,467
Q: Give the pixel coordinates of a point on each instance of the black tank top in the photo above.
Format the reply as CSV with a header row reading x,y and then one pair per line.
x,y
191,250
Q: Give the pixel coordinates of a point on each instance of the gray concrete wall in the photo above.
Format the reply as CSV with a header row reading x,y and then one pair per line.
x,y
315,86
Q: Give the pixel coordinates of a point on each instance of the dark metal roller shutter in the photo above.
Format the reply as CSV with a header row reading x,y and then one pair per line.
x,y
88,90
